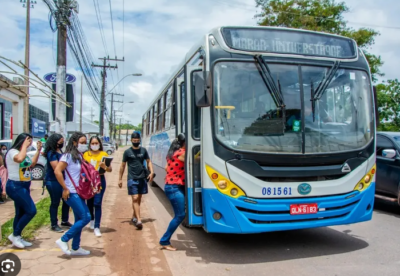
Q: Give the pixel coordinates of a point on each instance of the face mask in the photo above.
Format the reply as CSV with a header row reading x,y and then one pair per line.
x,y
95,147
4,152
82,148
136,145
60,146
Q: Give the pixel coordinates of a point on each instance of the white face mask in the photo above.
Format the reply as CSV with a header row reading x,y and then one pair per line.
x,y
95,147
82,148
4,152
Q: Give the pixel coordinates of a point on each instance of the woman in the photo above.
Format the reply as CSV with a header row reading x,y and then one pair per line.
x,y
53,153
94,156
3,152
18,185
71,162
175,187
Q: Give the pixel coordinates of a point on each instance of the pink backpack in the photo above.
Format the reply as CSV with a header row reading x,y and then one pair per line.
x,y
89,181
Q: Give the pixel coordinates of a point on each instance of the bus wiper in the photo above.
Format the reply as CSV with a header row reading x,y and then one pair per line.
x,y
312,100
319,92
269,81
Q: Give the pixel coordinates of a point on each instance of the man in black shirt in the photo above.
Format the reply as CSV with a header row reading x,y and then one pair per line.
x,y
138,175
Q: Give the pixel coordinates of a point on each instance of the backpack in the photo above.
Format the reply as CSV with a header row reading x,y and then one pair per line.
x,y
89,181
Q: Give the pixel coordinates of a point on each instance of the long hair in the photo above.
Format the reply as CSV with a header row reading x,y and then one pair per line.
x,y
52,144
98,140
177,144
73,150
18,144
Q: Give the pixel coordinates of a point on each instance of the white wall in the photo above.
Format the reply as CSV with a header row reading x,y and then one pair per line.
x,y
17,110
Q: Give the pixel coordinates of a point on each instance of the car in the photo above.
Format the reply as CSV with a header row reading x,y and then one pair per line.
x,y
109,148
38,172
388,166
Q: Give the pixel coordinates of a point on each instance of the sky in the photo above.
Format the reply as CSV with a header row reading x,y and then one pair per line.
x,y
153,37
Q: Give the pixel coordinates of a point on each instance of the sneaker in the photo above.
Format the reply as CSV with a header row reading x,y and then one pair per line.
x,y
63,246
134,220
91,224
66,224
57,229
139,225
16,241
26,243
80,252
97,232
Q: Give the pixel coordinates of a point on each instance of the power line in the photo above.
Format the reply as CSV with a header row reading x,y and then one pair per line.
x,y
100,23
112,26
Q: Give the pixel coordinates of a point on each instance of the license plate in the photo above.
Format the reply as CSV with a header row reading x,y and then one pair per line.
x,y
302,209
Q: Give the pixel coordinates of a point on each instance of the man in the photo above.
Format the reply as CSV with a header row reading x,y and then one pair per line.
x,y
44,140
137,175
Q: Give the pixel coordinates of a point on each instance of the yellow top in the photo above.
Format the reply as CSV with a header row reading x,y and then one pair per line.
x,y
94,158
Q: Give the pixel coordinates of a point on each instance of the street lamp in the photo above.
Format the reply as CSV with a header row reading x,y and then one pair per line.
x,y
133,75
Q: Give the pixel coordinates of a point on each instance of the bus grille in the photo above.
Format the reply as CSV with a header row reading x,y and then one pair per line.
x,y
273,211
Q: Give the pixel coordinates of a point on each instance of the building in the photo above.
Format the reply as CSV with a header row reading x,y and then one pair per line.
x,y
11,108
125,137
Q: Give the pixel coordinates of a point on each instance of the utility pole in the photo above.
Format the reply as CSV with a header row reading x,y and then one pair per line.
x,y
119,136
112,111
28,4
80,119
127,123
103,88
61,86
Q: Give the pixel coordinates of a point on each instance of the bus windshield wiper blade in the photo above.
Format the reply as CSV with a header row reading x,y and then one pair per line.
x,y
319,92
269,81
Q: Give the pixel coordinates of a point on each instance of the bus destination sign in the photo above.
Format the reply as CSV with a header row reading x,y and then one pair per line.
x,y
289,42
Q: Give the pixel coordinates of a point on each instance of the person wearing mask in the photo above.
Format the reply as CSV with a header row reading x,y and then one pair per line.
x,y
3,152
53,153
94,156
175,187
71,162
137,175
18,185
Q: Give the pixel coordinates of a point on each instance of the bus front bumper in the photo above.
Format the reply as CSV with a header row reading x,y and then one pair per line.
x,y
248,215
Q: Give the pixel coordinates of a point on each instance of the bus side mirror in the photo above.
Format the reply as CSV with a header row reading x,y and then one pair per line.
x,y
202,89
376,106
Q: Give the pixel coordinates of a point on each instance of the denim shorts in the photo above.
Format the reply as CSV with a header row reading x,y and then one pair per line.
x,y
137,187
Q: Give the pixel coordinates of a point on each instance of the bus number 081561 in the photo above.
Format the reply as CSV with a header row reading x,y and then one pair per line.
x,y
277,191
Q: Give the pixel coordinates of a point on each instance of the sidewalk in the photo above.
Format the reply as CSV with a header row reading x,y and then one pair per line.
x,y
122,250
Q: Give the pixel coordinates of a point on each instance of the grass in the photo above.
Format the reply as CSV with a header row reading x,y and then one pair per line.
x,y
41,219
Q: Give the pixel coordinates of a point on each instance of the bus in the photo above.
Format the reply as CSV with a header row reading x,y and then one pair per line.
x,y
280,130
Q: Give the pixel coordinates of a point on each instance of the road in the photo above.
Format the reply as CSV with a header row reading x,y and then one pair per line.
x,y
369,248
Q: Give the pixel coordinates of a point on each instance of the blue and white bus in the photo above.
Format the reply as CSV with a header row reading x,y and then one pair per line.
x,y
280,130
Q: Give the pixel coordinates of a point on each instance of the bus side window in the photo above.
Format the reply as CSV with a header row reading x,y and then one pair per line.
x,y
196,121
197,199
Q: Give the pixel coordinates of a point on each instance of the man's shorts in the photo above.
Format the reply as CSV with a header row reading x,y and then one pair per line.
x,y
137,187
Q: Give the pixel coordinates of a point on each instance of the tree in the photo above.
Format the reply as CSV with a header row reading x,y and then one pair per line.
x,y
389,105
319,15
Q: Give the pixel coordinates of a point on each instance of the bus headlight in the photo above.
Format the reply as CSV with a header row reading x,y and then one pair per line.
x,y
366,180
223,184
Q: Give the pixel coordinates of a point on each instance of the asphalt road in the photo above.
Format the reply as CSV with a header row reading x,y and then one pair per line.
x,y
369,248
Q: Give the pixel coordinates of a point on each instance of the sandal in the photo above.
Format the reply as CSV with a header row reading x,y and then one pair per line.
x,y
168,247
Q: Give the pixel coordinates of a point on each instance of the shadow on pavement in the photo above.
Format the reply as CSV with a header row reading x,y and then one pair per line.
x,y
264,247
386,207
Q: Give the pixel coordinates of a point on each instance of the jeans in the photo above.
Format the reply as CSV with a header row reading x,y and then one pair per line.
x,y
55,191
94,204
82,218
175,194
25,208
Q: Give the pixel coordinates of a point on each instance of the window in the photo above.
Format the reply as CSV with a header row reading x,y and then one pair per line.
x,y
383,143
173,122
152,120
148,123
183,104
155,117
160,114
196,123
168,110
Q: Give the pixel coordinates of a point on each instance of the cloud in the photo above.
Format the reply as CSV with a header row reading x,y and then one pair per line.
x,y
154,39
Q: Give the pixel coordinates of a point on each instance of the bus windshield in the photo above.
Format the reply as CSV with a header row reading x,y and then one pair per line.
x,y
248,118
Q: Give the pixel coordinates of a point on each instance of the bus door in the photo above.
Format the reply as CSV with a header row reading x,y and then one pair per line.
x,y
194,209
